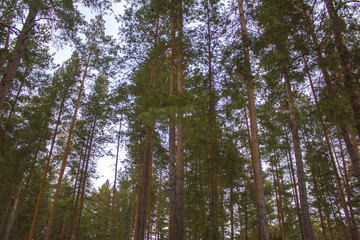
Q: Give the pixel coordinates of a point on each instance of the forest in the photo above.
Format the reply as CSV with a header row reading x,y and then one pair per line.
x,y
237,119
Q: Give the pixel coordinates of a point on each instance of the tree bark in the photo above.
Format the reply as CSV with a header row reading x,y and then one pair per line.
x,y
15,59
355,159
144,184
306,229
172,133
255,150
65,157
37,208
115,179
85,177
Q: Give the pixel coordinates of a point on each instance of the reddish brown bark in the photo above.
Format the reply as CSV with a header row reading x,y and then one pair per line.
x,y
306,228
65,157
255,150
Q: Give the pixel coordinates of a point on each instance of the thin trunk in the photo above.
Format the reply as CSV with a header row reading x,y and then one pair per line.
x,y
231,214
354,155
306,228
63,229
246,212
212,129
255,150
115,178
172,140
15,59
81,205
37,208
136,223
65,157
77,194
148,197
157,231
319,200
280,199
140,232
355,159
144,207
352,227
347,188
21,197
132,217
350,83
292,177
11,220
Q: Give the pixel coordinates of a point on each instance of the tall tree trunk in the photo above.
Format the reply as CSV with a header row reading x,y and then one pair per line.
x,y
115,179
351,226
76,194
306,229
11,220
231,213
81,205
144,209
172,132
350,83
180,129
20,199
37,208
15,59
255,150
65,156
355,159
140,232
212,129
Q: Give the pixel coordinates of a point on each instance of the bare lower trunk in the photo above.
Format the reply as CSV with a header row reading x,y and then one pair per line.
x,y
85,176
115,178
65,158
306,229
255,150
37,208
145,178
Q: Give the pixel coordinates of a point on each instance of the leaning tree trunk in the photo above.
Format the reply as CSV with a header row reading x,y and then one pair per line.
x,y
37,208
81,205
15,59
354,154
65,157
351,226
306,229
255,150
